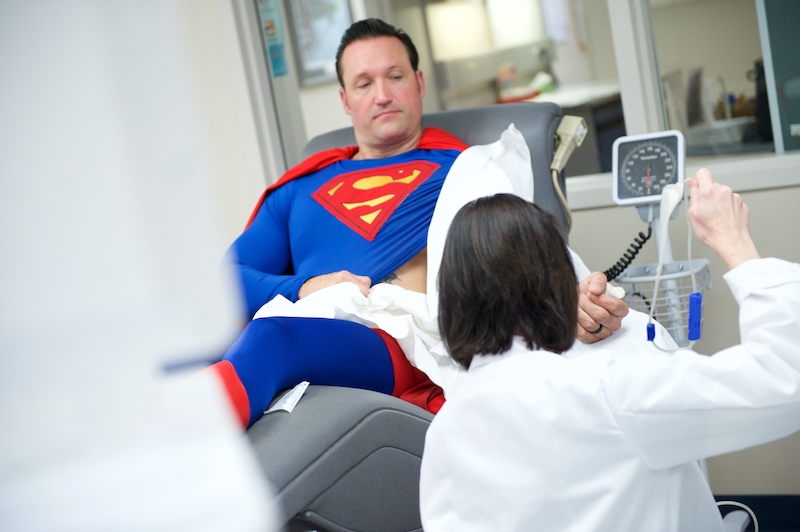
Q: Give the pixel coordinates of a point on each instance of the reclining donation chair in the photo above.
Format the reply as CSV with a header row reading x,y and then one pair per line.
x,y
348,460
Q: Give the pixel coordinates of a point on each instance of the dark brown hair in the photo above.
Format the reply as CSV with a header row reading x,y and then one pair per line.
x,y
505,271
372,28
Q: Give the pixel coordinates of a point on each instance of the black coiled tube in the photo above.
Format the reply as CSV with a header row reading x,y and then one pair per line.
x,y
627,257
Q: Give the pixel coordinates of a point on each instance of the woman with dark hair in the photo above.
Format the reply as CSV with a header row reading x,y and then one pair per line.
x,y
541,436
505,272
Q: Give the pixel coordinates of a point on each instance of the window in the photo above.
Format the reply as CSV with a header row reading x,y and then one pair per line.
x,y
712,75
645,109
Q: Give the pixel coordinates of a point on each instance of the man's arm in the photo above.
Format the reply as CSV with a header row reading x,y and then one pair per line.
x,y
598,314
262,256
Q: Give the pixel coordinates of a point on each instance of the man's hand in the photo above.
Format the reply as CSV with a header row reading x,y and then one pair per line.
x,y
720,220
598,315
329,279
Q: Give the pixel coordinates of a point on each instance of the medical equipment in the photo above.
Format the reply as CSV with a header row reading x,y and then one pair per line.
x,y
648,172
570,134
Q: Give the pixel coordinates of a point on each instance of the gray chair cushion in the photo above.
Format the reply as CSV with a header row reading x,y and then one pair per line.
x,y
345,459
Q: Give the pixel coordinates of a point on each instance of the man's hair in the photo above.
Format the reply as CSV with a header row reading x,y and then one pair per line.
x,y
505,271
369,29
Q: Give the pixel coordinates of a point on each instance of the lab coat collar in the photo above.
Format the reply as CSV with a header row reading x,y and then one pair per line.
x,y
518,347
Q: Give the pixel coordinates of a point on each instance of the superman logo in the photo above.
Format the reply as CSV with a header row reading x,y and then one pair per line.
x,y
363,200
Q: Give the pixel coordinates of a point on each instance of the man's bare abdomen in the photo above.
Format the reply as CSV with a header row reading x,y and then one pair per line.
x,y
413,274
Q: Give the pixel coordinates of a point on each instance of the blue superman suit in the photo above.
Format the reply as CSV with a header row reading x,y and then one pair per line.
x,y
333,213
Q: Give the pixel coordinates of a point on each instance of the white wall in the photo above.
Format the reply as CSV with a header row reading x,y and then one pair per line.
x,y
322,109
224,109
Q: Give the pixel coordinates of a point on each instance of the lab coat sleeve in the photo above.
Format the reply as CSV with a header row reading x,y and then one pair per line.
x,y
262,255
679,408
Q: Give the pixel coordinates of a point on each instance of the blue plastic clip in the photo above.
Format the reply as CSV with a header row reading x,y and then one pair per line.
x,y
695,315
651,332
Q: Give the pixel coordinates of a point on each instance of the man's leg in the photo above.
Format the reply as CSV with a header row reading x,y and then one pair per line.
x,y
410,384
273,354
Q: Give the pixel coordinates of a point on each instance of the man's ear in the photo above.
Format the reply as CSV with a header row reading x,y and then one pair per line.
x,y
344,101
421,83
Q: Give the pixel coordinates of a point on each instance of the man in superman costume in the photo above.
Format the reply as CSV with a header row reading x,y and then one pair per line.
x,y
356,215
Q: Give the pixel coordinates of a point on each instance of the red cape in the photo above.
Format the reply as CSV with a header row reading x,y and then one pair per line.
x,y
432,139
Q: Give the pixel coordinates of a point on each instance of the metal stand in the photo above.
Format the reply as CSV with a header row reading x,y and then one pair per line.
x,y
672,300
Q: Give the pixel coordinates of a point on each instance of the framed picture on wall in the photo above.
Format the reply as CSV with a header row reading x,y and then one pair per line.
x,y
317,28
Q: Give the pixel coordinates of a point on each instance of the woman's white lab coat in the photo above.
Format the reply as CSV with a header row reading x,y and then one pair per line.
x,y
607,436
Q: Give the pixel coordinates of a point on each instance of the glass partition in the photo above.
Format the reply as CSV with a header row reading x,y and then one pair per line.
x,y
712,74
778,23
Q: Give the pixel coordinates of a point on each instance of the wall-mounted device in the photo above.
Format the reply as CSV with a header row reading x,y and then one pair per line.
x,y
644,164
648,172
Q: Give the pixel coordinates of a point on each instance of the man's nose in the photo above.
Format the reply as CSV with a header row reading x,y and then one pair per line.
x,y
383,93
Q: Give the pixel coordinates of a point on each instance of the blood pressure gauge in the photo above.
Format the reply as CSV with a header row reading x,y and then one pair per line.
x,y
644,164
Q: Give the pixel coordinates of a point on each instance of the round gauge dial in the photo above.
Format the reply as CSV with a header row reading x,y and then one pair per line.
x,y
647,168
644,164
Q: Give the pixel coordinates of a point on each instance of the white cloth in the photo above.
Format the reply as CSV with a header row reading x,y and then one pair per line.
x,y
607,437
411,317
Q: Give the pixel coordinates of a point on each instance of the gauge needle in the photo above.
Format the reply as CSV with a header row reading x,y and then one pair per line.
x,y
648,180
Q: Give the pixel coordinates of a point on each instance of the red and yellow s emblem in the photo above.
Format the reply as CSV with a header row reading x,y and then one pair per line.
x,y
363,200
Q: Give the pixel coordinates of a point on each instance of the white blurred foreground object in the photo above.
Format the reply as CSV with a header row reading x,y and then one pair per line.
x,y
110,272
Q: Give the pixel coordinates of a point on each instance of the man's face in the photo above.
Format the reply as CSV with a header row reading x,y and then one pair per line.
x,y
382,94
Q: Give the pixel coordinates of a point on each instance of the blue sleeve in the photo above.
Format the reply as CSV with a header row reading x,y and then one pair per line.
x,y
262,255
